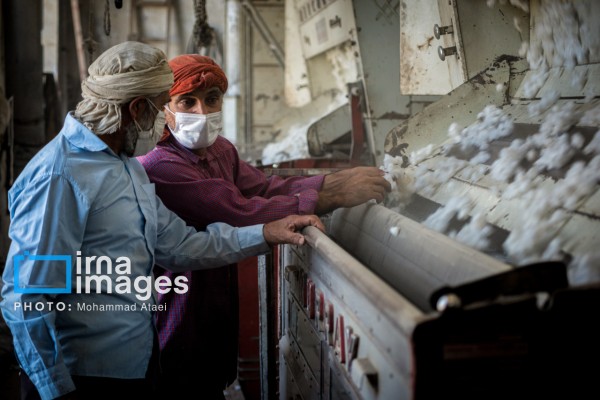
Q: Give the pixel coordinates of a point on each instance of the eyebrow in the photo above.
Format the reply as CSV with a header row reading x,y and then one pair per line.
x,y
212,90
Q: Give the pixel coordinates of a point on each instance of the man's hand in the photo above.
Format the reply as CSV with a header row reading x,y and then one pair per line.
x,y
287,230
351,187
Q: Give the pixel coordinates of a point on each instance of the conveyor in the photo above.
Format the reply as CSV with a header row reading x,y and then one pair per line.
x,y
480,277
419,316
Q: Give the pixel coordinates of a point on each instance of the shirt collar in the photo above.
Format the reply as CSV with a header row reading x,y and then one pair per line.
x,y
80,136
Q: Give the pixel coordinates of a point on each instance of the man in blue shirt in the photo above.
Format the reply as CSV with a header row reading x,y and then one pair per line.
x,y
86,229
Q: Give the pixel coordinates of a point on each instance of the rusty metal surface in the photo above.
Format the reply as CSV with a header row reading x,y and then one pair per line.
x,y
421,71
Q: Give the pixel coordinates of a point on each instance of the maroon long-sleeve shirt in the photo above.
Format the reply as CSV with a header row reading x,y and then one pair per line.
x,y
215,187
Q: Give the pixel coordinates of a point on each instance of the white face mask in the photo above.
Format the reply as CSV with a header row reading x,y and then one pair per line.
x,y
196,131
148,138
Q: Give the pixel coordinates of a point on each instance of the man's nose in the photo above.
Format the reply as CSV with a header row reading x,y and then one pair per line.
x,y
201,108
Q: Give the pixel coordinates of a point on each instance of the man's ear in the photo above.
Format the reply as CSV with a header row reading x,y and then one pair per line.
x,y
137,107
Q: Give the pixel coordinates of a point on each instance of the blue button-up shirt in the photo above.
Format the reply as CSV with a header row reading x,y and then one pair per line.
x,y
77,198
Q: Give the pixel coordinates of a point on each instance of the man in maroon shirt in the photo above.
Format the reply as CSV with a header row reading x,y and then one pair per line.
x,y
198,174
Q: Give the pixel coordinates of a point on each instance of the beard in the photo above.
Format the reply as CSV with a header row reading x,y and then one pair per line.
x,y
131,138
132,133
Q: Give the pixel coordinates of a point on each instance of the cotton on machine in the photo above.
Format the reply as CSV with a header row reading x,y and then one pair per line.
x,y
478,276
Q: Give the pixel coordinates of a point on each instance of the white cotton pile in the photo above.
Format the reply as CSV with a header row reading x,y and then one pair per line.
x,y
473,173
547,101
523,49
454,132
523,183
475,234
588,27
579,78
579,183
480,158
534,81
428,181
591,117
508,161
551,32
292,147
392,166
529,241
416,157
492,124
564,35
584,269
548,210
523,5
556,154
553,250
593,146
400,179
456,206
577,141
447,168
517,24
560,118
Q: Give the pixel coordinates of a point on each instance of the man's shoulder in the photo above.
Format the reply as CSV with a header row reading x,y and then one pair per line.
x,y
161,153
223,143
48,160
222,147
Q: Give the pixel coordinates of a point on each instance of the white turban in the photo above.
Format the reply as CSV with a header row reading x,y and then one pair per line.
x,y
118,75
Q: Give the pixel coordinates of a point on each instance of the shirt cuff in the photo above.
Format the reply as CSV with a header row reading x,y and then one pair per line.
x,y
252,240
54,382
307,201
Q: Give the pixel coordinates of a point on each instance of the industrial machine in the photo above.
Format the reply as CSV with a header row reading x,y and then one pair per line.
x,y
479,276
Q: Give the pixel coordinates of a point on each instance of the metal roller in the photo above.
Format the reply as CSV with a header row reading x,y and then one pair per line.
x,y
417,261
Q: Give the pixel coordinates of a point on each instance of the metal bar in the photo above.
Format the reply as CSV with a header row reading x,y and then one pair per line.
x,y
265,32
248,84
390,303
267,326
78,39
299,171
358,126
415,260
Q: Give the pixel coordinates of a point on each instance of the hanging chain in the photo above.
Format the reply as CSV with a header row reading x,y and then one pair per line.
x,y
89,42
203,32
107,18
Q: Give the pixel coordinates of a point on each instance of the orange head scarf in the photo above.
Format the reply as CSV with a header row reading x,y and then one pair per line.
x,y
193,71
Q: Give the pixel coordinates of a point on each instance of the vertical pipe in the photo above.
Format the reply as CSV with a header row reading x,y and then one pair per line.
x,y
233,62
5,166
76,15
248,85
233,46
23,24
68,71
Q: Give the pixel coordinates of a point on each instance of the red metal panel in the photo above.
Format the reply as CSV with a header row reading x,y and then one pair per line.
x,y
248,358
